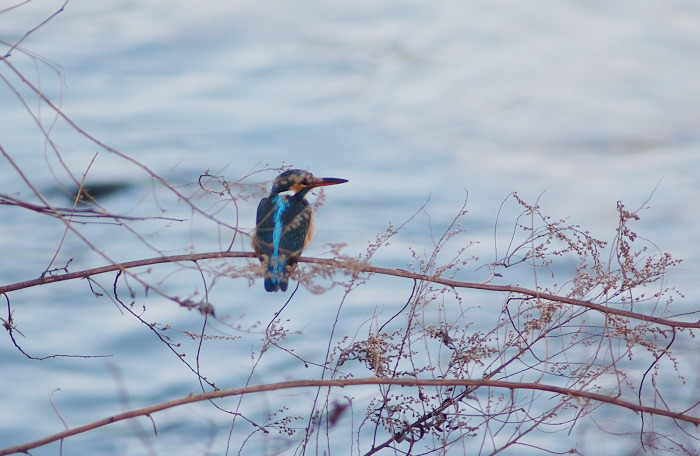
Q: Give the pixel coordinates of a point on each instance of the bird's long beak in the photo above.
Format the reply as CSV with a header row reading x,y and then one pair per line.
x,y
323,181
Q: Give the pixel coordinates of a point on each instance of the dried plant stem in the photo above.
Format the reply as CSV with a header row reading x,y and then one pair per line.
x,y
147,411
360,267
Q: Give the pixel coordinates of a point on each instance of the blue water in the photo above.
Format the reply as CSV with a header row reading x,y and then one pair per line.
x,y
582,103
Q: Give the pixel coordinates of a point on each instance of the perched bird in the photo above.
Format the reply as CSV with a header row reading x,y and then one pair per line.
x,y
283,224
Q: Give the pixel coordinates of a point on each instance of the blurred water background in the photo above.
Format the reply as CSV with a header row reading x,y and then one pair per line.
x,y
579,104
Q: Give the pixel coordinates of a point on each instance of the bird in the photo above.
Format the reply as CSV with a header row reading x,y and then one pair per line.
x,y
283,226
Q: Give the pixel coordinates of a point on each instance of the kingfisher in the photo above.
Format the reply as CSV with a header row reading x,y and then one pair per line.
x,y
284,224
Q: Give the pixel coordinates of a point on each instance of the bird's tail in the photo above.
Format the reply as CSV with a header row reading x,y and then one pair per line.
x,y
276,278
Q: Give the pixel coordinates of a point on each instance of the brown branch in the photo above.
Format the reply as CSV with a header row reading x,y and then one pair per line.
x,y
121,267
73,212
510,289
361,267
147,411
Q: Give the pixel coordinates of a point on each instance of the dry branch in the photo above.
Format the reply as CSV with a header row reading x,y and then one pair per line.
x,y
356,267
147,411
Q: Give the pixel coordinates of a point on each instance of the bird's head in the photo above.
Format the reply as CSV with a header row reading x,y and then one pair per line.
x,y
296,180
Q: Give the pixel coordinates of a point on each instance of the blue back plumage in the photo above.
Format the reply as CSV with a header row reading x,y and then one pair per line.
x,y
282,227
276,264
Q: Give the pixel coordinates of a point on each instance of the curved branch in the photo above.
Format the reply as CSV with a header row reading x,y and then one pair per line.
x,y
358,267
72,212
147,411
121,267
514,290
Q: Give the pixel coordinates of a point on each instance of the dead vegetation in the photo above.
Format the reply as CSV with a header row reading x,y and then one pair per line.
x,y
442,366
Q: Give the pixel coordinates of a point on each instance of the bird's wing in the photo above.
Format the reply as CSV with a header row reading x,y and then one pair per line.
x,y
264,227
297,221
